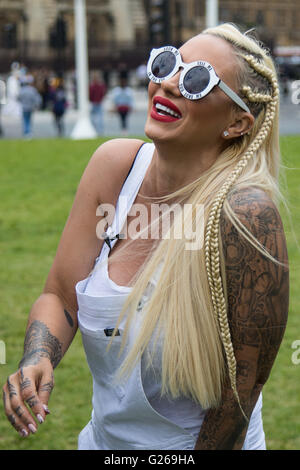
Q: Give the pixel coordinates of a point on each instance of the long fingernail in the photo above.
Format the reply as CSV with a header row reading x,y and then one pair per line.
x,y
40,418
32,428
46,409
23,433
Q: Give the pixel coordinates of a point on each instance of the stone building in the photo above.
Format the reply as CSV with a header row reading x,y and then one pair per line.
x,y
41,32
273,18
276,22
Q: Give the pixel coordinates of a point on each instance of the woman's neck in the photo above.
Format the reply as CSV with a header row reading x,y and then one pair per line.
x,y
172,168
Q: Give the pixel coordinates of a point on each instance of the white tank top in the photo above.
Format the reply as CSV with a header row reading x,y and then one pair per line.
x,y
182,411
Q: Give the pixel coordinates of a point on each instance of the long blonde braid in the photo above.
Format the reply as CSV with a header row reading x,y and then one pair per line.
x,y
212,253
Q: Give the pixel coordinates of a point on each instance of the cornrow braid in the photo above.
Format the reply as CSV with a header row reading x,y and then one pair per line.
x,y
267,73
256,97
212,254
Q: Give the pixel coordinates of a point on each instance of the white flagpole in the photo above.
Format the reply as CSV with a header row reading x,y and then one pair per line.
x,y
212,13
83,128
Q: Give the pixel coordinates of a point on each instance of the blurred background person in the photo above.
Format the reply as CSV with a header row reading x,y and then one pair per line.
x,y
30,100
97,92
43,86
122,97
13,107
59,107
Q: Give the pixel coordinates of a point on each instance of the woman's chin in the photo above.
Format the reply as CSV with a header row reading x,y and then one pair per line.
x,y
150,129
154,131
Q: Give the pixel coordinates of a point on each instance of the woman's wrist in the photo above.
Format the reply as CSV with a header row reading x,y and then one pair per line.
x,y
41,343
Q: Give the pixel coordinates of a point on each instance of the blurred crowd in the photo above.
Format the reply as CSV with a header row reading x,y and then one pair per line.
x,y
28,91
48,91
45,90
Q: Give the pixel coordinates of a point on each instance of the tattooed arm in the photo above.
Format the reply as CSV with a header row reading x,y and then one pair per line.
x,y
52,321
49,333
258,298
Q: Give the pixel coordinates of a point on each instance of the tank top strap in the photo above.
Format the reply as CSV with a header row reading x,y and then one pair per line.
x,y
129,191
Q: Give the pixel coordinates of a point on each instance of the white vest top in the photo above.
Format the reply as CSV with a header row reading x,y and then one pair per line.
x,y
132,415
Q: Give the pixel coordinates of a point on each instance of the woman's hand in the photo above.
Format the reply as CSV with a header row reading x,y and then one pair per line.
x,y
27,390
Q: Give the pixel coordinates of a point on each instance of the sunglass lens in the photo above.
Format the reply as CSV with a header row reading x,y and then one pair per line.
x,y
163,64
196,80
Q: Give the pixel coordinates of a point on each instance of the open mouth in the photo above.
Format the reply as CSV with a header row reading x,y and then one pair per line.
x,y
164,110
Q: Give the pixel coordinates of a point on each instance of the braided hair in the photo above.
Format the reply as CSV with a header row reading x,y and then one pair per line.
x,y
261,78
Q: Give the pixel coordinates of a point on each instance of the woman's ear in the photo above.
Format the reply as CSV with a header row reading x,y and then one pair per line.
x,y
240,126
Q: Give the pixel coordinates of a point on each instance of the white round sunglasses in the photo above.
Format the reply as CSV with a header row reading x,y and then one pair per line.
x,y
196,80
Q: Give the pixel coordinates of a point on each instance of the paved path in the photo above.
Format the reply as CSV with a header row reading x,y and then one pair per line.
x,y
43,124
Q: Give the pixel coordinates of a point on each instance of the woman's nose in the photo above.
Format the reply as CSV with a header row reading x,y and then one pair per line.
x,y
172,85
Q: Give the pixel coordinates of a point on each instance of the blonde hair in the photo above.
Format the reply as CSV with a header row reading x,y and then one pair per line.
x,y
188,303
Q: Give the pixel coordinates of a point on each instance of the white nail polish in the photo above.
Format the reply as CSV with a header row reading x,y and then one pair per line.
x,y
46,409
23,433
40,418
32,428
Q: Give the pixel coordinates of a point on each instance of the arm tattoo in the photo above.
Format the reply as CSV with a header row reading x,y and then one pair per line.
x,y
39,342
69,318
257,292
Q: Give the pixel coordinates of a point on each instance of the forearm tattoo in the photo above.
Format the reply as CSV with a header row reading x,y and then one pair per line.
x,y
258,299
39,342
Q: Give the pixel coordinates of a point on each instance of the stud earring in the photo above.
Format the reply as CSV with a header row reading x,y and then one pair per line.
x,y
226,133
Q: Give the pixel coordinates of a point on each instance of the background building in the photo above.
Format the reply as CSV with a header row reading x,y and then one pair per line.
x,y
276,22
41,32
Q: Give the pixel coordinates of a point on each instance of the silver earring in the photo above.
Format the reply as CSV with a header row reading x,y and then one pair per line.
x,y
226,133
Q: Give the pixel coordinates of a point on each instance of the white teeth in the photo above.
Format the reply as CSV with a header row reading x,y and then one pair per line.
x,y
161,107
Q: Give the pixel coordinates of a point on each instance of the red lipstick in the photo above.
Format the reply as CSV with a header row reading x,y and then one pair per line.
x,y
167,104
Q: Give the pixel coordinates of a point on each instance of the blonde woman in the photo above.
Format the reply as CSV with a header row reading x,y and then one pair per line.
x,y
180,338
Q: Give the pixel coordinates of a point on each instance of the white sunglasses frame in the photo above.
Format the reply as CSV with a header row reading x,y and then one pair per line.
x,y
214,79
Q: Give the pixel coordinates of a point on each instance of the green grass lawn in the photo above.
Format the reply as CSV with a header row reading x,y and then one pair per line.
x,y
37,186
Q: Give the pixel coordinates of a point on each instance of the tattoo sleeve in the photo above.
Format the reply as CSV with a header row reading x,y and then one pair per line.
x,y
257,292
39,342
